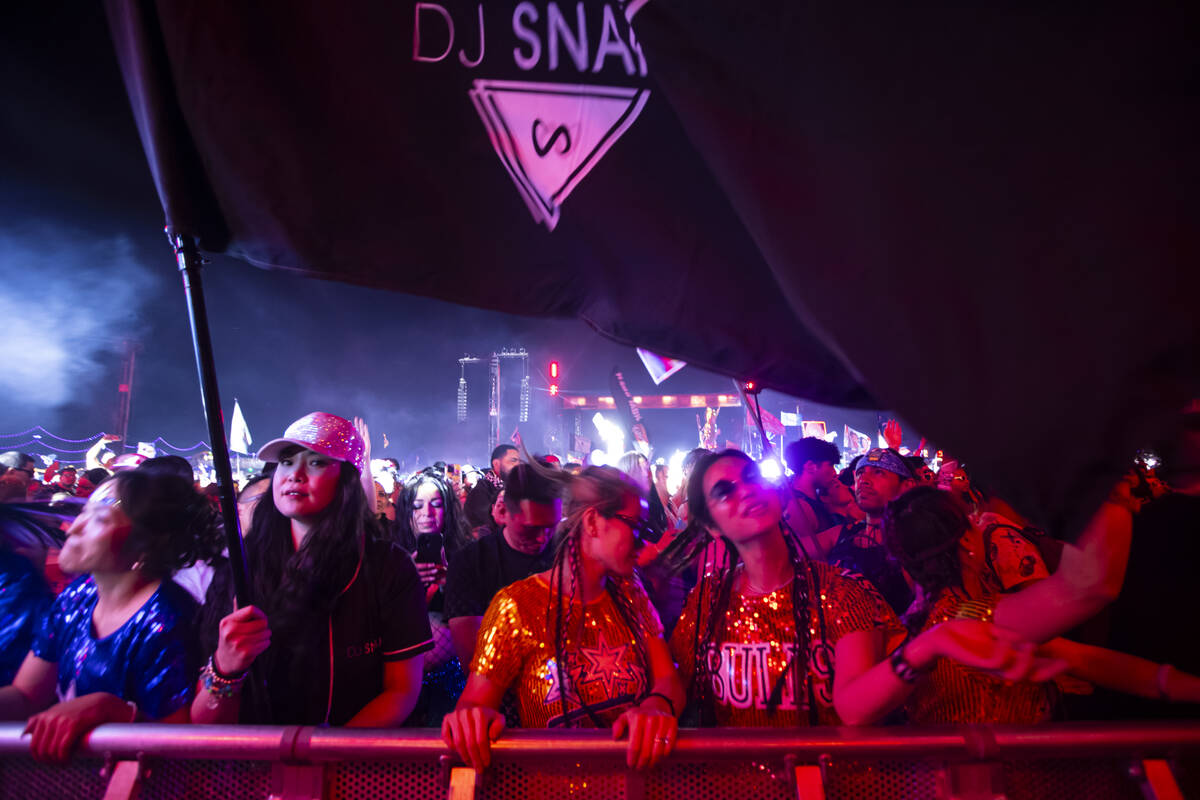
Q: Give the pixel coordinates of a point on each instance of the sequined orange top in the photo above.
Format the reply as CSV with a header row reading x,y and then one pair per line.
x,y
516,648
953,693
756,645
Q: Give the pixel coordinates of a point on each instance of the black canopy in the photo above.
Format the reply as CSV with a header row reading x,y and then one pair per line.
x,y
975,217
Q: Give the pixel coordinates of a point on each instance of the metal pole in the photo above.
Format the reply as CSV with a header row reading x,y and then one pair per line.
x,y
190,265
756,414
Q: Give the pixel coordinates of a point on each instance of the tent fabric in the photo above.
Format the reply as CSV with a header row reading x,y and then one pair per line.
x,y
972,216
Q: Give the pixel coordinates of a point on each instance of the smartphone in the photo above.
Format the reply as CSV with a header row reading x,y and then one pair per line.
x,y
429,548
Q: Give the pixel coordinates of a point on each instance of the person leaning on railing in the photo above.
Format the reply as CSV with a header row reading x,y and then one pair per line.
x,y
117,645
342,616
580,642
776,639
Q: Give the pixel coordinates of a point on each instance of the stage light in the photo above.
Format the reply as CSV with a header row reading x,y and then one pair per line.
x,y
598,458
770,469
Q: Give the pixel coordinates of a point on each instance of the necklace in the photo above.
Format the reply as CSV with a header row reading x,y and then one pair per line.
x,y
757,590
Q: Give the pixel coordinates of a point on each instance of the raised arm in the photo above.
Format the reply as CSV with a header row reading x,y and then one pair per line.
x,y
1088,578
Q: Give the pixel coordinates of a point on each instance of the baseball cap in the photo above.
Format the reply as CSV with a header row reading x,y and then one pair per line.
x,y
327,434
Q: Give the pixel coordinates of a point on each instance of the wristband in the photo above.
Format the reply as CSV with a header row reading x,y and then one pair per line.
x,y
662,697
133,710
904,670
219,685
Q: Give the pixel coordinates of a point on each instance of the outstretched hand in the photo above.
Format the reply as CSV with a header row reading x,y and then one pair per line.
x,y
651,735
470,733
893,435
996,650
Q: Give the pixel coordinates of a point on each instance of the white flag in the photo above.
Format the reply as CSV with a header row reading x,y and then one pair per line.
x,y
239,434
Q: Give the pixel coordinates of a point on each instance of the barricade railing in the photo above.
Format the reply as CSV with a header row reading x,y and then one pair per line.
x,y
148,761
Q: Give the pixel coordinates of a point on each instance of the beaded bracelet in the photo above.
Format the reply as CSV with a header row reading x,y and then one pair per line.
x,y
220,685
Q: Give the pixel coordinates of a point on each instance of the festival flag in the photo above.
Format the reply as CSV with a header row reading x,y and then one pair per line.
x,y
790,419
770,422
814,428
239,434
147,449
660,367
856,442
629,412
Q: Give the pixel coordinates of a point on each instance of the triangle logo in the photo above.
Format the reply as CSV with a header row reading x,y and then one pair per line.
x,y
550,135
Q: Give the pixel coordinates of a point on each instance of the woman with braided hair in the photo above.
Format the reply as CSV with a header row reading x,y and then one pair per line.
x,y
775,639
580,643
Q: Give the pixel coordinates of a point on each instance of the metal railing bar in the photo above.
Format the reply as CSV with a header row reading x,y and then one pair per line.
x,y
315,745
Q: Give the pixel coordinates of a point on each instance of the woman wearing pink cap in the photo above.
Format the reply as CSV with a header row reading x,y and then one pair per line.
x,y
339,612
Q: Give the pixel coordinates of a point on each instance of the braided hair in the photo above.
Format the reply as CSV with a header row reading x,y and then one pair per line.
x,y
717,589
606,490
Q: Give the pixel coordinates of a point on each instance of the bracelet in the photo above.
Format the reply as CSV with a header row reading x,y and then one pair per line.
x,y
662,697
220,685
1160,681
904,670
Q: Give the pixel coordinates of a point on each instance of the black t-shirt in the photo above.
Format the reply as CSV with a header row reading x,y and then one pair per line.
x,y
379,618
478,506
483,568
874,563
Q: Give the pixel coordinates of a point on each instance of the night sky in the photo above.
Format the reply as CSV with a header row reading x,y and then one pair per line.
x,y
84,267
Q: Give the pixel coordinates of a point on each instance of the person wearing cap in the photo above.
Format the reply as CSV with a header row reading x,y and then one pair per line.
x,y
880,476
339,616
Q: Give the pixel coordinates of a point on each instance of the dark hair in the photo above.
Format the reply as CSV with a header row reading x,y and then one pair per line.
x,y
257,479
454,527
914,463
922,528
605,489
846,476
173,526
533,482
688,546
500,450
97,475
810,448
296,587
694,455
172,465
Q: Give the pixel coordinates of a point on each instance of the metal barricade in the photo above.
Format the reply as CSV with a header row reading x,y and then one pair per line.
x,y
151,761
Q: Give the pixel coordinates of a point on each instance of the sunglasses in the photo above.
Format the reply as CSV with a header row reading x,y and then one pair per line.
x,y
640,527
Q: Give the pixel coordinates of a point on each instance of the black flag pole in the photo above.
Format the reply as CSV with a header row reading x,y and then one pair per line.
x,y
187,256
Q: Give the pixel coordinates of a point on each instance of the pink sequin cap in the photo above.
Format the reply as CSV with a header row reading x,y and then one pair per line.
x,y
327,434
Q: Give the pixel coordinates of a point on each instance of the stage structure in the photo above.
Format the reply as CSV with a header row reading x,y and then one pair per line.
x,y
494,408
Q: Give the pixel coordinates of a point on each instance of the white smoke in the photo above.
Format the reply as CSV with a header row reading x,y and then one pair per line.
x,y
67,299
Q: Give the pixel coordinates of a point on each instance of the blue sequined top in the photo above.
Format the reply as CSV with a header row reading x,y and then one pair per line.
x,y
24,599
149,660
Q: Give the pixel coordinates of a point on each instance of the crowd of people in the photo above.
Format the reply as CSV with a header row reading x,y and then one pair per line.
x,y
556,595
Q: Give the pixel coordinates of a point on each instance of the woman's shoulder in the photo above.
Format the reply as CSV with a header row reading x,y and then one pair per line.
x,y
78,592
171,613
